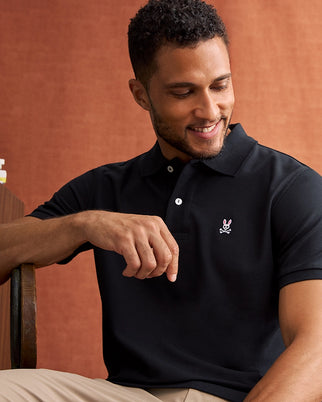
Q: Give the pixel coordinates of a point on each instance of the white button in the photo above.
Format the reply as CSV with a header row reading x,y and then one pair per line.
x,y
178,201
170,169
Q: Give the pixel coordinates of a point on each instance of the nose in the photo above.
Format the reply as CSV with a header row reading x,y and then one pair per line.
x,y
207,107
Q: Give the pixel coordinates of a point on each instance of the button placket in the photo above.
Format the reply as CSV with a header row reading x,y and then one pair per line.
x,y
178,210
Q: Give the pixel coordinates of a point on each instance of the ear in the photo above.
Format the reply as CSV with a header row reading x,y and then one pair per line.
x,y
139,94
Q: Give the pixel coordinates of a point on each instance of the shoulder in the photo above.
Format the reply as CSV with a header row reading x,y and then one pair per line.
x,y
281,172
261,161
110,171
290,175
276,161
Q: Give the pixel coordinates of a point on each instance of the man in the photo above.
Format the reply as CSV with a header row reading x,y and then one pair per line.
x,y
244,221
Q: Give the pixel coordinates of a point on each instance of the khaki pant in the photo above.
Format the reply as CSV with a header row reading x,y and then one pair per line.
x,y
53,386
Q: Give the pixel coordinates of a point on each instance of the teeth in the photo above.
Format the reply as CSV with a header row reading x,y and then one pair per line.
x,y
205,129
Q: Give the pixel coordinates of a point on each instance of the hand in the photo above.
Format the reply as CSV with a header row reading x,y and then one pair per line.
x,y
145,242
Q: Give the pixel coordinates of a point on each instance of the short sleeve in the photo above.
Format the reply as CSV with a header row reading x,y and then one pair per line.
x,y
71,198
297,228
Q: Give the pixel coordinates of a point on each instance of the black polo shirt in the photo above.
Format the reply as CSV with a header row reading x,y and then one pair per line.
x,y
247,222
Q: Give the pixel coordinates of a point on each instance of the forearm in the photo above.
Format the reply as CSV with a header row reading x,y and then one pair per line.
x,y
295,376
42,242
144,241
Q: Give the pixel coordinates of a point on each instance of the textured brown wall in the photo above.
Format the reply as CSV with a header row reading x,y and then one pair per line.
x,y
65,107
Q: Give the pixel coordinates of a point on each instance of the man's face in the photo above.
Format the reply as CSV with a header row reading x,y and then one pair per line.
x,y
191,99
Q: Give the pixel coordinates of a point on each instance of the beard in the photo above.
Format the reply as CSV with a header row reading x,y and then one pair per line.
x,y
170,136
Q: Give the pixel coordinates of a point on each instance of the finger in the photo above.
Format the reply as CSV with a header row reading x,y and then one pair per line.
x,y
133,261
147,258
172,269
162,256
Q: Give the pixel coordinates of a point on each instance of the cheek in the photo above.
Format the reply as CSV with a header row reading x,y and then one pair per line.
x,y
176,113
230,100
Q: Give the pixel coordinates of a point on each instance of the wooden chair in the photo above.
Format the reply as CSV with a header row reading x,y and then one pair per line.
x,y
21,310
23,331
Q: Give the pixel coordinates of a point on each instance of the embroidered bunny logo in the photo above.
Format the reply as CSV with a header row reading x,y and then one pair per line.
x,y
225,227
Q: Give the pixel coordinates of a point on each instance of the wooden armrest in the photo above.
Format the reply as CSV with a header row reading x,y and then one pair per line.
x,y
23,332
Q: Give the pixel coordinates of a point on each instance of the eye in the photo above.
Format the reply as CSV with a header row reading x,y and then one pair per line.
x,y
221,86
181,94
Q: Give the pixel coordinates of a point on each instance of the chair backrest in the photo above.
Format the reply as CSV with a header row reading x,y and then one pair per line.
x,y
23,308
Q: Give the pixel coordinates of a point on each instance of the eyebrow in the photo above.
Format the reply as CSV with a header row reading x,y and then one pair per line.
x,y
191,84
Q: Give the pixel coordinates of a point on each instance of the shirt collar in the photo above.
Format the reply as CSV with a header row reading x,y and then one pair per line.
x,y
236,148
152,161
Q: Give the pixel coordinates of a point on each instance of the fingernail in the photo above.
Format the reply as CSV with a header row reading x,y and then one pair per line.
x,y
172,277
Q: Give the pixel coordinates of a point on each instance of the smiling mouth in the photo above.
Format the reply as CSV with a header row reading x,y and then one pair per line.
x,y
203,129
206,132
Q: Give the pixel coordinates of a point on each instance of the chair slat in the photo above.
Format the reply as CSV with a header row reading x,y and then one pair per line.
x,y
23,317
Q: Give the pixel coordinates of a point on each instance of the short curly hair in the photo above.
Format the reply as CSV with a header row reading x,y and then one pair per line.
x,y
179,22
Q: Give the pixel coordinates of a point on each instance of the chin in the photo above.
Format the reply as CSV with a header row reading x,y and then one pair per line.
x,y
208,153
198,154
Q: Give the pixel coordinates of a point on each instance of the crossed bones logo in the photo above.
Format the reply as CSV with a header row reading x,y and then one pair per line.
x,y
225,226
